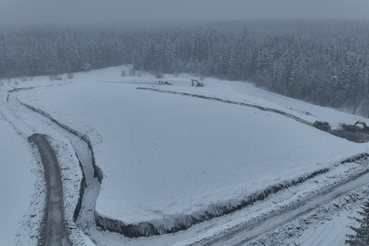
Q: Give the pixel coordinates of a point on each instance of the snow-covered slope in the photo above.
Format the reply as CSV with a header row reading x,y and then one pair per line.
x,y
164,156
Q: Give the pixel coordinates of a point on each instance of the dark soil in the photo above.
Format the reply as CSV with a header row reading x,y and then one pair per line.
x,y
352,133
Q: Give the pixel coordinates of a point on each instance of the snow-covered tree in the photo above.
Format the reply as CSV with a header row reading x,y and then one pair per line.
x,y
361,238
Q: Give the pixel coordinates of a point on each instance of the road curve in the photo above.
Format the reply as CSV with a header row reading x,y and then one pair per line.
x,y
53,229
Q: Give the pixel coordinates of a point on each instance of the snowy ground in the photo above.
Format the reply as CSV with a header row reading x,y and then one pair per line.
x,y
165,155
18,172
22,182
177,155
326,225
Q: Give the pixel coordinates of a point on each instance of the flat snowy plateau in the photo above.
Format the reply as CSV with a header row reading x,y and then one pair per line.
x,y
167,152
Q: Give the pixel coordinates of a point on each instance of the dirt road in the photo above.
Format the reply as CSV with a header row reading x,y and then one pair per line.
x,y
54,231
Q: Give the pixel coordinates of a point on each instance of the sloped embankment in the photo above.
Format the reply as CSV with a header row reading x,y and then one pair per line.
x,y
97,171
177,223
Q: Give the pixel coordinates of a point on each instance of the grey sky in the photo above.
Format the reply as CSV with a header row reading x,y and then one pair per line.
x,y
77,11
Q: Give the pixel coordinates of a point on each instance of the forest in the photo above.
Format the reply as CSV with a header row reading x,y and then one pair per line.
x,y
325,62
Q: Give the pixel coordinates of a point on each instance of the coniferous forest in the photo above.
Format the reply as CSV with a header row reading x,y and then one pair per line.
x,y
325,62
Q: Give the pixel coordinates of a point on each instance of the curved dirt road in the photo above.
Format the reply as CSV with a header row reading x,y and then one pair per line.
x,y
54,231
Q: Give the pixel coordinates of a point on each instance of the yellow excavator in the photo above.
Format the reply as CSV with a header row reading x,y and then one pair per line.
x,y
196,83
365,127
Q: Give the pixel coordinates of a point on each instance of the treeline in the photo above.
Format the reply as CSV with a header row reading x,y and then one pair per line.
x,y
325,62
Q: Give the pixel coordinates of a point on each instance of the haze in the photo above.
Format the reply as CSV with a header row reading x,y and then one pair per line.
x,y
98,11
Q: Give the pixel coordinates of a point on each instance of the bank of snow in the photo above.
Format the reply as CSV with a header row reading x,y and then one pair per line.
x,y
164,156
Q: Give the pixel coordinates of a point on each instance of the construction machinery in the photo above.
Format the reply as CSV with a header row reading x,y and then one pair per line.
x,y
196,83
365,127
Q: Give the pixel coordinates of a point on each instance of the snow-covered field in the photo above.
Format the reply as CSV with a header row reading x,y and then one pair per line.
x,y
165,155
17,179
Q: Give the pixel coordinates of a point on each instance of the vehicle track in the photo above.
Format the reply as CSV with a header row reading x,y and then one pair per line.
x,y
53,232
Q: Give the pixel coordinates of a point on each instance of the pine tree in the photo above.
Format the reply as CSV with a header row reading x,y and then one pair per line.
x,y
233,69
149,55
362,233
7,61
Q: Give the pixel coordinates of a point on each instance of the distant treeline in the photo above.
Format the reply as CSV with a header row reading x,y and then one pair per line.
x,y
325,62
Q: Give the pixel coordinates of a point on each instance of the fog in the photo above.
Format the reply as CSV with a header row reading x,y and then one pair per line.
x,y
99,11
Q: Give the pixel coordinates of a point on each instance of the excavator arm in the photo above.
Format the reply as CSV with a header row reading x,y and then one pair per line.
x,y
361,123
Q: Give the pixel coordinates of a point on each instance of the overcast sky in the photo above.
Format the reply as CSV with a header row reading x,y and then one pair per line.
x,y
80,11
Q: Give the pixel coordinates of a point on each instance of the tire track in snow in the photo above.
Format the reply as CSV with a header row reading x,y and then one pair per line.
x,y
54,231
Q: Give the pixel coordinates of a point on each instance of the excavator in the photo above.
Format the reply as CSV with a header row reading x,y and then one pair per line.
x,y
365,127
198,84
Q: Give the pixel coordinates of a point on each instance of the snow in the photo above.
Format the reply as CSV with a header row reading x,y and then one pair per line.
x,y
166,155
17,177
330,232
71,175
21,177
326,225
